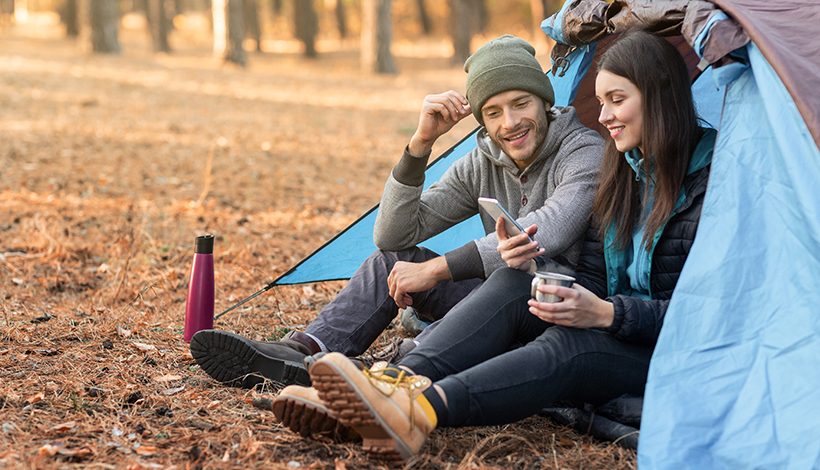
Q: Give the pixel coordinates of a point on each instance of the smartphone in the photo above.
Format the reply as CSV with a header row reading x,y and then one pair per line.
x,y
496,210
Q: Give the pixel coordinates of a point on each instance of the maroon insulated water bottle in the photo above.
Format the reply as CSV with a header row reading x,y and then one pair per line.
x,y
199,308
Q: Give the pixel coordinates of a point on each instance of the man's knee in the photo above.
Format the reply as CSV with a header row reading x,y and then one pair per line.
x,y
512,280
414,254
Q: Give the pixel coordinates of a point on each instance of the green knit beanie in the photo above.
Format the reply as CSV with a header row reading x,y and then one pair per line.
x,y
503,64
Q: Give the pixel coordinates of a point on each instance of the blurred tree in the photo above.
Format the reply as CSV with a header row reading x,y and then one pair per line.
x,y
341,18
7,7
479,17
68,15
377,37
157,18
252,27
307,25
229,31
460,30
277,7
424,18
99,25
467,17
179,8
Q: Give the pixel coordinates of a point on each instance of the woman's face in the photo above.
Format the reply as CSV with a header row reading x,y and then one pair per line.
x,y
621,111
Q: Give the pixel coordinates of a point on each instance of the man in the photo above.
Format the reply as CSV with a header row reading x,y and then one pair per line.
x,y
538,161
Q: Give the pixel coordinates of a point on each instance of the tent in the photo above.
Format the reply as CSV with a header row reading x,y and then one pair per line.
x,y
735,377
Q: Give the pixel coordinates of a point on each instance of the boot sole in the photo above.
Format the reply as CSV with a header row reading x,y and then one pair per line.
x,y
232,359
353,410
307,418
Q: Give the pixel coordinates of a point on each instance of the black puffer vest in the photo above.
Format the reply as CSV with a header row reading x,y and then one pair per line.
x,y
638,320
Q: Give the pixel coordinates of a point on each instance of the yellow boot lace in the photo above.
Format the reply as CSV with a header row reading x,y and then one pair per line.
x,y
409,382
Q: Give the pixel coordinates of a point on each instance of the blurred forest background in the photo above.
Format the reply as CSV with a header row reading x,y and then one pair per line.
x,y
237,26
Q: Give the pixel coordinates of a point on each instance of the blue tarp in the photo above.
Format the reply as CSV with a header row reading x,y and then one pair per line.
x,y
735,378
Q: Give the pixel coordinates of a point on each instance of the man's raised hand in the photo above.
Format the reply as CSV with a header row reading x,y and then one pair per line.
x,y
439,113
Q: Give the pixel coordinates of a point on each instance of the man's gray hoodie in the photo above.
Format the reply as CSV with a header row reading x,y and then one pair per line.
x,y
555,192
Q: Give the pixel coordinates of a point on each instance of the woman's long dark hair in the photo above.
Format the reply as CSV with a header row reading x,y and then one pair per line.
x,y
669,136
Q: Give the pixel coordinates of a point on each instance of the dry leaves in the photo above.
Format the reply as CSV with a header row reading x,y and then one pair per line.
x,y
36,398
146,450
173,391
62,426
144,347
168,378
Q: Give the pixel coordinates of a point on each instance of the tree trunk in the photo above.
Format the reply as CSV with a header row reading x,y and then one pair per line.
x,y
277,7
229,31
424,18
341,18
7,7
99,25
254,31
479,16
70,19
158,24
377,37
307,25
460,27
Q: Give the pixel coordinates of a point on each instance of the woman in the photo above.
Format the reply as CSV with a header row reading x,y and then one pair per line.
x,y
593,346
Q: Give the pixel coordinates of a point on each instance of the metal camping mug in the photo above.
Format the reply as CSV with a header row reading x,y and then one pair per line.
x,y
553,279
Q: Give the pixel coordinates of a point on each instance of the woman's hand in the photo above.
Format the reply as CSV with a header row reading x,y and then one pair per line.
x,y
579,309
517,251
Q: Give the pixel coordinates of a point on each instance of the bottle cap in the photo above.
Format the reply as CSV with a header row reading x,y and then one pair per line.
x,y
204,244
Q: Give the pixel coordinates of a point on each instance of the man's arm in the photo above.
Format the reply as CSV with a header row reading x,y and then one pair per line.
x,y
403,219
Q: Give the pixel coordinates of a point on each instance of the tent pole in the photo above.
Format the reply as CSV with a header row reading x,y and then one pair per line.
x,y
252,296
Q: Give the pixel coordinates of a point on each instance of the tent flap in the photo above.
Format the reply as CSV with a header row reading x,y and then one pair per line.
x,y
735,372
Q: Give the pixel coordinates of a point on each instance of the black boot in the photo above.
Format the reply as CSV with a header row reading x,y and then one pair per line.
x,y
239,361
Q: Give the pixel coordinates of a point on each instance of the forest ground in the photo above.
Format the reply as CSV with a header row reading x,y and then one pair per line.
x,y
111,165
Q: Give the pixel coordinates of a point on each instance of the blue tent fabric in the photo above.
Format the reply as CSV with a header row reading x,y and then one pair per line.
x,y
735,378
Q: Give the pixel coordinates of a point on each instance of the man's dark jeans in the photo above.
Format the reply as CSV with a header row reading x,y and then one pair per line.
x,y
363,309
472,355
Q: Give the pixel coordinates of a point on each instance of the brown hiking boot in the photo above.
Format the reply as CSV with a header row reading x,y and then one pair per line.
x,y
239,361
303,412
381,408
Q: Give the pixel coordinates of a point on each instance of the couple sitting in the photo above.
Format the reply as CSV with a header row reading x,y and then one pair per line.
x,y
500,356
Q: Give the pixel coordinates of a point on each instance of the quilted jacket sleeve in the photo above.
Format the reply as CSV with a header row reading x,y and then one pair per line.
x,y
636,320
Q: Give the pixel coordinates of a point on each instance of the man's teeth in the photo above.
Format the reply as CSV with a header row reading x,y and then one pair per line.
x,y
517,136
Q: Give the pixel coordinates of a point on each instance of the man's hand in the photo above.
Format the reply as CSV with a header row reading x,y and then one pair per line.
x,y
518,252
439,113
407,278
